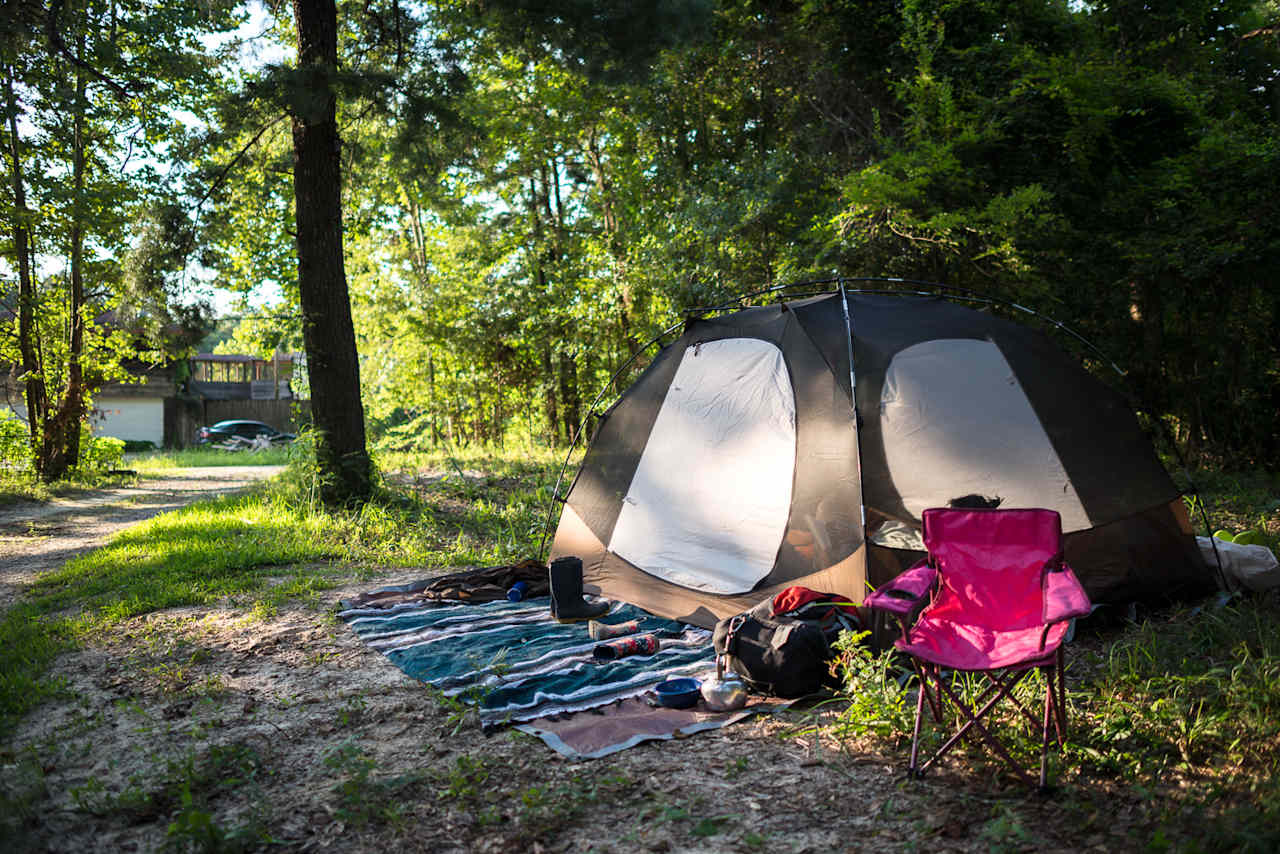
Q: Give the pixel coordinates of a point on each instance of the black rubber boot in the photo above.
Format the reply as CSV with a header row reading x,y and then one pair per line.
x,y
567,604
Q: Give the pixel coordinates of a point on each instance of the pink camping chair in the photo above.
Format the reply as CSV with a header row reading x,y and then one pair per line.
x,y
1002,601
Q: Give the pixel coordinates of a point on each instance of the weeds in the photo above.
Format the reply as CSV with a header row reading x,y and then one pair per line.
x,y
186,791
22,788
1184,706
874,688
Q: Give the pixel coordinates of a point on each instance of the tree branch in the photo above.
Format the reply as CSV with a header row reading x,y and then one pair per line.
x,y
60,47
226,170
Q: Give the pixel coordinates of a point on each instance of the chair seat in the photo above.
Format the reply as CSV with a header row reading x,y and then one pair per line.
x,y
963,646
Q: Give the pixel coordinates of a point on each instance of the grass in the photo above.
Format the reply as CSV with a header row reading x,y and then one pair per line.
x,y
1176,715
184,788
270,545
149,462
1239,501
1178,710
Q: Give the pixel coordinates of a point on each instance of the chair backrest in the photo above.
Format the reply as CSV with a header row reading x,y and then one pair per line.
x,y
991,564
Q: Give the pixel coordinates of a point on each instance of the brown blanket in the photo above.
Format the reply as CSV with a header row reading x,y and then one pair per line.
x,y
473,585
608,729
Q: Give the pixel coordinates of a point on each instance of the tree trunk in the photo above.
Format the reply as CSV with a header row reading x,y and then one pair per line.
x,y
341,456
612,228
66,452
34,385
549,400
569,397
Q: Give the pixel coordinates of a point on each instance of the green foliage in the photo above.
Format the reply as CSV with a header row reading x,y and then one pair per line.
x,y
15,446
187,788
100,453
553,212
91,94
363,798
875,688
22,788
1186,703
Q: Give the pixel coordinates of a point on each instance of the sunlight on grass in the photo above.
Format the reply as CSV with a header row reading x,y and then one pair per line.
x,y
149,462
275,544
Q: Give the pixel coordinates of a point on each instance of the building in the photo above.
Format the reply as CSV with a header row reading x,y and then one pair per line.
x,y
165,404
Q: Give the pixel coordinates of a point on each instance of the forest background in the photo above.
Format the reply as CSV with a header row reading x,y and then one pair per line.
x,y
530,191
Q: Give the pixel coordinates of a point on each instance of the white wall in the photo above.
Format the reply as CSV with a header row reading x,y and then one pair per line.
x,y
129,418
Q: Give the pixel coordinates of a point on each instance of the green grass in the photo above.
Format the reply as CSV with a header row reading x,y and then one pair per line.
x,y
1178,713
265,547
1238,501
1181,707
148,462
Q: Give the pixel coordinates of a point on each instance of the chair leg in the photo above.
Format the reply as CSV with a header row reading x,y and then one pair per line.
x,y
913,770
973,722
1044,735
1062,699
923,674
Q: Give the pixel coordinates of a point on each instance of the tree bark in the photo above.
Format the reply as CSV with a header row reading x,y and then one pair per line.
x,y
342,458
33,379
569,396
66,448
549,396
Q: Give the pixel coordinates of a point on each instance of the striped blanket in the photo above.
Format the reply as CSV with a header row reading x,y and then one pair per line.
x,y
516,663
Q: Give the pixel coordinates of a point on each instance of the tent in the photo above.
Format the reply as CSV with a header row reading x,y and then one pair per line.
x,y
737,465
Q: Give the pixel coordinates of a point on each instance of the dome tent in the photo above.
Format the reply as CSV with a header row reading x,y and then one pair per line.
x,y
735,465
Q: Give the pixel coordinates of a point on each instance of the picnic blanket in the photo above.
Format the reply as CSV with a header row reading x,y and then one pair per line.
x,y
516,663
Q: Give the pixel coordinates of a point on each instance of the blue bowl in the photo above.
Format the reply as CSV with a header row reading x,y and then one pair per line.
x,y
678,693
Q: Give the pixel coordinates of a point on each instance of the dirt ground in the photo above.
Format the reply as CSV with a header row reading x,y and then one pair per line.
x,y
219,730
36,537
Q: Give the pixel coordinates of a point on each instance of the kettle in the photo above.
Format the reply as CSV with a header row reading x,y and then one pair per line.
x,y
725,692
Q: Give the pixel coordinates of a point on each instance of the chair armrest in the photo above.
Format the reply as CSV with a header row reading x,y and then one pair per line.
x,y
905,593
1064,596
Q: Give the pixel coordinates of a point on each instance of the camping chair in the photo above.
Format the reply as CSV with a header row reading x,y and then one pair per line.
x,y
1002,600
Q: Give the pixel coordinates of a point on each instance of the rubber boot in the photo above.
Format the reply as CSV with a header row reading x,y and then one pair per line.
x,y
567,604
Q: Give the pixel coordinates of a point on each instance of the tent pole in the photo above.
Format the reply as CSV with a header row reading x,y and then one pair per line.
x,y
853,399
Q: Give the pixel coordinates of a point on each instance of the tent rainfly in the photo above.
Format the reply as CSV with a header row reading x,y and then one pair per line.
x,y
738,463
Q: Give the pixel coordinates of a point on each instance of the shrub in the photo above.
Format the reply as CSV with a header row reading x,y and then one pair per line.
x,y
100,453
15,445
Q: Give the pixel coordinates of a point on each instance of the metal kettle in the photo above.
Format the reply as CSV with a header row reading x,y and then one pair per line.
x,y
725,692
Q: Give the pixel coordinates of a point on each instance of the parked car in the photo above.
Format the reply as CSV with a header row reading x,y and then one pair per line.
x,y
248,431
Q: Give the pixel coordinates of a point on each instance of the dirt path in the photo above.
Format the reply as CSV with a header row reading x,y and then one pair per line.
x,y
36,538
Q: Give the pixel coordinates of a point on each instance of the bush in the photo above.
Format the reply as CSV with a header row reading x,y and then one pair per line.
x,y
15,445
100,453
